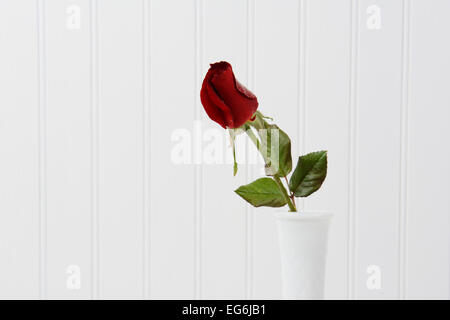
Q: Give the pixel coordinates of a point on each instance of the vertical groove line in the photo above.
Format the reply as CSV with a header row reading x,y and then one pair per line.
x,y
350,133
403,206
249,224
304,62
146,139
246,175
198,219
353,117
42,148
301,80
304,53
299,72
95,254
196,79
200,173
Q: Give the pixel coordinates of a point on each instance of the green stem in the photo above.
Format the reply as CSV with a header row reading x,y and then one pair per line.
x,y
252,136
292,194
285,194
289,201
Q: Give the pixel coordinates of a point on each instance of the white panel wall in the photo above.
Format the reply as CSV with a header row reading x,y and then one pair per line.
x,y
428,155
276,72
222,214
68,137
96,97
120,159
326,126
20,138
173,100
377,94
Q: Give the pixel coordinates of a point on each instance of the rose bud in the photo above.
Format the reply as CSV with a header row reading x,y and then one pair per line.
x,y
225,100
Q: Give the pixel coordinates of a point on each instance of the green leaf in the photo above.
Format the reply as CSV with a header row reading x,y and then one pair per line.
x,y
263,116
275,147
309,174
262,192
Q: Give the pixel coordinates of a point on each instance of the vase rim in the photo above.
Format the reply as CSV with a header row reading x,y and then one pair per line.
x,y
304,215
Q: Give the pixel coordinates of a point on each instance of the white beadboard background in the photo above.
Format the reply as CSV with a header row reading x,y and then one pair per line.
x,y
86,123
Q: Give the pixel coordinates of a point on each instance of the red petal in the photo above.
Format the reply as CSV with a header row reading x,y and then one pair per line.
x,y
212,111
225,100
239,99
217,101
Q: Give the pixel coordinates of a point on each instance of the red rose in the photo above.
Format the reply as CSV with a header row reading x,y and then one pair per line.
x,y
225,100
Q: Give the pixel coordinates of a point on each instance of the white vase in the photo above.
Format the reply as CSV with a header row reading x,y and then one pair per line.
x,y
303,240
